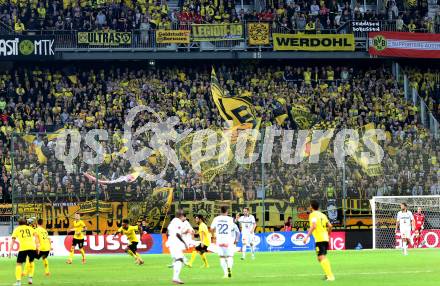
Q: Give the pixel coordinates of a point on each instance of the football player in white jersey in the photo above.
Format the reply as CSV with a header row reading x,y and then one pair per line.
x,y
226,234
404,224
247,225
176,244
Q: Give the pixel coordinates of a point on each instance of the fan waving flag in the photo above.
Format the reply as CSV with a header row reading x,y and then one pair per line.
x,y
237,109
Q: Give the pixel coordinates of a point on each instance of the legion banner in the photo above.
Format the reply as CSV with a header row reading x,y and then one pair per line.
x,y
404,44
217,32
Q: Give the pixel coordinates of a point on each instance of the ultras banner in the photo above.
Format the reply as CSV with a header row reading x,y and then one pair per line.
x,y
404,44
317,43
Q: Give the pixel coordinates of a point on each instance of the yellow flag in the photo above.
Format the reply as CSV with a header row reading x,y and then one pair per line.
x,y
41,157
237,109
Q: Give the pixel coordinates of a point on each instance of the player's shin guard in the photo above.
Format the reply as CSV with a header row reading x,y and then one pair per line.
x,y
325,264
18,271
31,269
205,259
177,267
243,250
46,265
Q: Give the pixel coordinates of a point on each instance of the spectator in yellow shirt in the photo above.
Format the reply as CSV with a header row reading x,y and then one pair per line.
x,y
19,27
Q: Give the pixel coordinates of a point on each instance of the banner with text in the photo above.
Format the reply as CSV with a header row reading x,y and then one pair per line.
x,y
104,38
20,47
172,36
93,244
258,34
404,44
217,32
316,43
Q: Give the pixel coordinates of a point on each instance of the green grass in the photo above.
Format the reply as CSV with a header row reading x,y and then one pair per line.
x,y
354,268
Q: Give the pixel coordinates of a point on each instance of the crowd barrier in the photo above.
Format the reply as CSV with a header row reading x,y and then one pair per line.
x,y
265,242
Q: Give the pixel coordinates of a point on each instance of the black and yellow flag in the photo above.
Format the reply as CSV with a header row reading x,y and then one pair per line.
x,y
302,116
237,109
372,170
279,111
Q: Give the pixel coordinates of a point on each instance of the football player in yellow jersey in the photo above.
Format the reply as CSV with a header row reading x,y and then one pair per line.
x,y
205,241
78,238
45,245
29,245
321,229
130,232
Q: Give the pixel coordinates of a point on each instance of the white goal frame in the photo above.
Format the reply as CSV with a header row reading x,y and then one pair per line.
x,y
373,208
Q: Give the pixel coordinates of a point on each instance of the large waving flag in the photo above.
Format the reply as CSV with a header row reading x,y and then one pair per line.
x,y
237,109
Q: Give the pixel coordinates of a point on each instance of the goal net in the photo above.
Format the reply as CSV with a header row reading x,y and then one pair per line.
x,y
385,211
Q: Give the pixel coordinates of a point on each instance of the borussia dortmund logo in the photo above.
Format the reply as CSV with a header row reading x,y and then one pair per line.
x,y
259,33
380,43
126,37
83,38
26,47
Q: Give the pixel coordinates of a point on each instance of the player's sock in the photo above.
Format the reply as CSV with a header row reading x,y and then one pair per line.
x,y
83,253
177,267
130,253
31,269
205,259
325,264
405,246
193,258
243,250
26,268
46,265
252,250
72,252
230,261
224,265
18,271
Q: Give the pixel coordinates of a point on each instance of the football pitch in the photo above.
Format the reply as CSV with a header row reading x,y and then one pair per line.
x,y
354,268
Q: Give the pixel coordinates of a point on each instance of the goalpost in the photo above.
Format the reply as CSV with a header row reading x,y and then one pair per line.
x,y
385,209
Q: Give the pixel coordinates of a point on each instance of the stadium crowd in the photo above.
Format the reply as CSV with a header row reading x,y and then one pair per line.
x,y
312,16
44,99
427,83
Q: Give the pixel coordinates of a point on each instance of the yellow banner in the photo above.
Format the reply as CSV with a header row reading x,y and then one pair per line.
x,y
59,217
102,38
258,33
92,207
172,36
319,42
217,32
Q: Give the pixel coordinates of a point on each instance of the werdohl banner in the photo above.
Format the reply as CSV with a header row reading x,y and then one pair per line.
x,y
320,42
403,44
172,36
19,47
217,32
102,38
